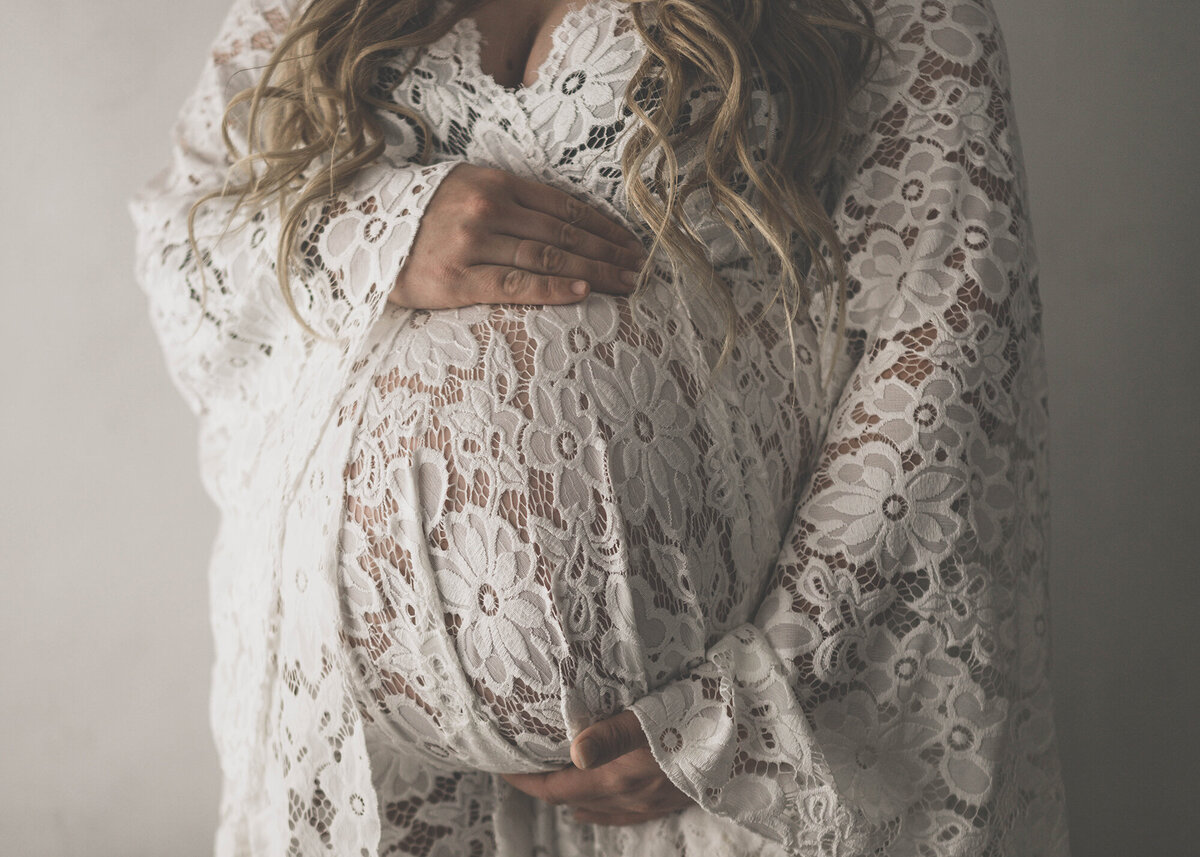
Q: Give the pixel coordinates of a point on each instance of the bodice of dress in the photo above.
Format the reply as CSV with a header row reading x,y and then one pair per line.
x,y
567,128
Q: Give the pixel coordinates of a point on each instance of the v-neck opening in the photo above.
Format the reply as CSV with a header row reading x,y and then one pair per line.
x,y
470,37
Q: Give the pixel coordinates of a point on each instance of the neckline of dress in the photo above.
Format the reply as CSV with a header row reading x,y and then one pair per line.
x,y
469,39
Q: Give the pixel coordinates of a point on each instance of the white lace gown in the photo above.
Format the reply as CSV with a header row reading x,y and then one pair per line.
x,y
451,540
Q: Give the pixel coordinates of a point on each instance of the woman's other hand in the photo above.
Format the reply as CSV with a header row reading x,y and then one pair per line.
x,y
489,236
615,779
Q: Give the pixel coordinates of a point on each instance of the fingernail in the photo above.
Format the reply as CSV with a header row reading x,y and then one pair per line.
x,y
579,287
629,278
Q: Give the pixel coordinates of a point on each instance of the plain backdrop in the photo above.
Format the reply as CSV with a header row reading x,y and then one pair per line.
x,y
105,532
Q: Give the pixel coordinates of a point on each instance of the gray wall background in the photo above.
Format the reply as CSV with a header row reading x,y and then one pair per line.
x,y
104,530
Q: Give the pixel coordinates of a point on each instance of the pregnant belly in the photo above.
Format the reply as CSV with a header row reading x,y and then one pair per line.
x,y
550,511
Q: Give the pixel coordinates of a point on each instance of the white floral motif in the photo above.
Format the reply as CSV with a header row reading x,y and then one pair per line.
x,y
584,82
931,414
920,179
919,273
876,509
440,347
506,629
971,733
651,456
875,761
915,669
991,497
990,244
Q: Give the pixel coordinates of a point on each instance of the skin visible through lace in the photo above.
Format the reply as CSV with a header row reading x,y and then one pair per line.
x,y
517,38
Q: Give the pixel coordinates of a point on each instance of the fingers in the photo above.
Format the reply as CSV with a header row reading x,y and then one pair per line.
x,y
552,260
568,786
500,284
630,790
489,236
610,795
573,238
584,816
604,741
564,207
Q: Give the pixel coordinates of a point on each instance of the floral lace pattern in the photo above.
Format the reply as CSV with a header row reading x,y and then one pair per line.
x,y
826,606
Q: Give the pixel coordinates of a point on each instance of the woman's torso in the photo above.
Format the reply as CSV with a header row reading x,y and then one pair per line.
x,y
551,510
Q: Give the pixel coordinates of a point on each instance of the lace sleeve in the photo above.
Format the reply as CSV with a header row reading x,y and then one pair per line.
x,y
892,692
221,316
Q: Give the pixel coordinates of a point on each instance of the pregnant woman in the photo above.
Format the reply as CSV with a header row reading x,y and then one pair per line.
x,y
665,370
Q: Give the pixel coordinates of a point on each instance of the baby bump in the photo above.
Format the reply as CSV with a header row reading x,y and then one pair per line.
x,y
552,513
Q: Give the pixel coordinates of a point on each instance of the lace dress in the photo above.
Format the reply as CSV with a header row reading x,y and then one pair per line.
x,y
451,540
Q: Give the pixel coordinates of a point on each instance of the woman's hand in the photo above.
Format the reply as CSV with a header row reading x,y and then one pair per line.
x,y
615,779
489,236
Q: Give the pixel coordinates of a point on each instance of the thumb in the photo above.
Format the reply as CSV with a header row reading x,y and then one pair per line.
x,y
602,742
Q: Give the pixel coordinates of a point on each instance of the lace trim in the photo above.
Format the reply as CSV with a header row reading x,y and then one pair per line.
x,y
468,39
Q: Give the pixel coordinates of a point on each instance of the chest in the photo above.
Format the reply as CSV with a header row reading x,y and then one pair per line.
x,y
565,125
516,37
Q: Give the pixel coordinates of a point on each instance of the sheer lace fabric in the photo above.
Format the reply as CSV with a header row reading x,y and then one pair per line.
x,y
452,540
